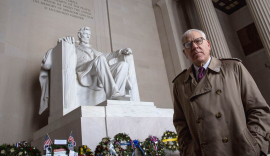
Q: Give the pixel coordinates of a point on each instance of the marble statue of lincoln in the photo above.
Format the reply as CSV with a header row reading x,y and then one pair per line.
x,y
93,70
113,72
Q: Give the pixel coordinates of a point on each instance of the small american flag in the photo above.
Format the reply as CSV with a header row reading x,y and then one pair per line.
x,y
71,139
47,142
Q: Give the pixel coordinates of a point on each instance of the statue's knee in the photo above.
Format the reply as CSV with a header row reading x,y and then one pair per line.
x,y
102,59
123,64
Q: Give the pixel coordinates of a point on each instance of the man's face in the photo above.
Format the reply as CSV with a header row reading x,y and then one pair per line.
x,y
197,54
85,36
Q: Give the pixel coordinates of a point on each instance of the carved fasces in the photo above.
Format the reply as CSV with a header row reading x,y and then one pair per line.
x,y
69,59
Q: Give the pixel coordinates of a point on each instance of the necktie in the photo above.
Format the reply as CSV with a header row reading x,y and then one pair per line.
x,y
200,75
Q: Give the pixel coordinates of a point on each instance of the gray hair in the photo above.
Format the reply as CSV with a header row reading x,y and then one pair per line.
x,y
81,31
190,30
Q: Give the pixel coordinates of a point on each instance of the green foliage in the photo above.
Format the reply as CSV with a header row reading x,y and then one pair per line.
x,y
103,147
170,145
23,150
149,147
84,150
122,137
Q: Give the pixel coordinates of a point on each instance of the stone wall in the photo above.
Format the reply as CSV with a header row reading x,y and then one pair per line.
x,y
29,28
133,25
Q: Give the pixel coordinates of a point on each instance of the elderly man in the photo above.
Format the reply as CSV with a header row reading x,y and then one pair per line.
x,y
218,109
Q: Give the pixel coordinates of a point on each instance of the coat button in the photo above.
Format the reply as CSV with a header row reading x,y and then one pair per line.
x,y
218,92
218,115
203,145
199,120
225,140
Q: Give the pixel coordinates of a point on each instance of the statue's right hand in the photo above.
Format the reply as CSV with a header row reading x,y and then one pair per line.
x,y
67,39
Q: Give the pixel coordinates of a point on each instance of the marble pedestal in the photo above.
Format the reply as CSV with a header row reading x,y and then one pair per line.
x,y
89,124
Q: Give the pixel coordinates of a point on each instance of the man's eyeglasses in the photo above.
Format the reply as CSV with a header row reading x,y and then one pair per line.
x,y
197,41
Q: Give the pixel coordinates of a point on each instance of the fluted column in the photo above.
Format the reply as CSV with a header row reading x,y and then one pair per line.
x,y
211,26
259,10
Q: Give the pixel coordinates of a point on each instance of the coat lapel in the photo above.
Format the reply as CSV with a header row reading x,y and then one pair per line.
x,y
204,86
190,82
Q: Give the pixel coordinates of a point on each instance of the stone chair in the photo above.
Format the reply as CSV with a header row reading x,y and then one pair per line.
x,y
61,91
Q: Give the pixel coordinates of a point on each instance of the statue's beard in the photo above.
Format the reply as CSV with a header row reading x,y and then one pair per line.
x,y
85,40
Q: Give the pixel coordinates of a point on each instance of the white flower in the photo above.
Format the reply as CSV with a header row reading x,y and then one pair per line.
x,y
3,152
12,150
20,153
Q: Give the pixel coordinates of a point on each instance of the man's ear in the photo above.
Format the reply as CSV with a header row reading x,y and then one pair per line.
x,y
209,44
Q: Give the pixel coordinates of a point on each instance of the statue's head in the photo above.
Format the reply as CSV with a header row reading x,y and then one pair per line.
x,y
84,35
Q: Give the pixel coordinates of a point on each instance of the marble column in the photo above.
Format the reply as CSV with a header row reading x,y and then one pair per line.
x,y
211,26
260,13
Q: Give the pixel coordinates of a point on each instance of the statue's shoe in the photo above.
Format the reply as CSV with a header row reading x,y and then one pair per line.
x,y
121,97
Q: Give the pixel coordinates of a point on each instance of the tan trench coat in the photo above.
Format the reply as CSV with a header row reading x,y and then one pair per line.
x,y
222,115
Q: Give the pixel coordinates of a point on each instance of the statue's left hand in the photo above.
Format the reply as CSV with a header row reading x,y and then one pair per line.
x,y
126,51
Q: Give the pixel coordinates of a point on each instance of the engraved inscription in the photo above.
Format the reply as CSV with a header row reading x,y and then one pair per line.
x,y
70,8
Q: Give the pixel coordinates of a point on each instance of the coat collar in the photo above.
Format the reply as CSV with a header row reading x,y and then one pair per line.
x,y
204,86
214,65
189,74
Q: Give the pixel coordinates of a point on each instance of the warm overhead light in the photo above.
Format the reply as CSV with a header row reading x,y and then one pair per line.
x,y
232,5
228,8
215,1
221,4
235,2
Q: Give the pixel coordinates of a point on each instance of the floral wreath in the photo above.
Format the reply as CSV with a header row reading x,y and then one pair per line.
x,y
23,149
84,150
117,147
103,147
8,150
167,137
153,146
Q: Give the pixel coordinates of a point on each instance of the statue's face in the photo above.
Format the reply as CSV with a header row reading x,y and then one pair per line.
x,y
85,36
